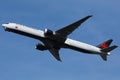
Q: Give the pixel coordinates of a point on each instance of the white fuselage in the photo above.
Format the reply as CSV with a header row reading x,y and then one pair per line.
x,y
84,46
34,33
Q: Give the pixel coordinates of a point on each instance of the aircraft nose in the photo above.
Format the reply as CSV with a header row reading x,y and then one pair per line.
x,y
4,26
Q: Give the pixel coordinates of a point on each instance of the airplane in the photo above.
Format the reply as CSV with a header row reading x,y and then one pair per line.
x,y
55,40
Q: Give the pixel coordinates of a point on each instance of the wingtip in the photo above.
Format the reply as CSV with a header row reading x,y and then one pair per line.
x,y
90,15
59,60
116,46
104,57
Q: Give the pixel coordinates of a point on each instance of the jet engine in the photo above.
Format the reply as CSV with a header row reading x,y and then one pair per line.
x,y
48,32
40,47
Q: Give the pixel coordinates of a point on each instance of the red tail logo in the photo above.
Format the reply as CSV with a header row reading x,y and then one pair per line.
x,y
105,44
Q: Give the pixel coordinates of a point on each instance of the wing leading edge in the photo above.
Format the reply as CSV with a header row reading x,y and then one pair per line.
x,y
70,28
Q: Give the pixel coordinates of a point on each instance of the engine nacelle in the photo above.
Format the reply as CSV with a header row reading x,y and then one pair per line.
x,y
48,32
40,47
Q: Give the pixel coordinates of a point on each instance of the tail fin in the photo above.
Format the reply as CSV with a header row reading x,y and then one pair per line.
x,y
105,44
106,51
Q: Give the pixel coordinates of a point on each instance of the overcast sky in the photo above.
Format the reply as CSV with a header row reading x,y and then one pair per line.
x,y
19,60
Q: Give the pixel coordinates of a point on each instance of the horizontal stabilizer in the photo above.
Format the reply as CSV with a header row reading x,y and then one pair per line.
x,y
106,51
109,48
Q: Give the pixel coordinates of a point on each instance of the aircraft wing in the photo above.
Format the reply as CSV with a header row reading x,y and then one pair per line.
x,y
53,48
70,28
55,53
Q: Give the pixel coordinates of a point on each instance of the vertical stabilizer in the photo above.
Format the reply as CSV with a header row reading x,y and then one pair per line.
x,y
105,44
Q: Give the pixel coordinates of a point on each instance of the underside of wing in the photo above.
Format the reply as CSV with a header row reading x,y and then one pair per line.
x,y
55,53
70,28
53,48
104,57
